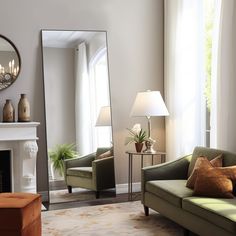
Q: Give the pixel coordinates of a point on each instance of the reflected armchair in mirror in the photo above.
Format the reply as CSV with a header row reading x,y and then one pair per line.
x,y
94,171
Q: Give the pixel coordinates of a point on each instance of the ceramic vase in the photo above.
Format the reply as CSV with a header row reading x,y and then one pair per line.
x,y
8,112
139,147
23,109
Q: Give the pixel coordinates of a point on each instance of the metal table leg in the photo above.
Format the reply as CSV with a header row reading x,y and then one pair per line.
x,y
129,179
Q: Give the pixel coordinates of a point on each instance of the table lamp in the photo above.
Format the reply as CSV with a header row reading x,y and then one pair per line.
x,y
148,104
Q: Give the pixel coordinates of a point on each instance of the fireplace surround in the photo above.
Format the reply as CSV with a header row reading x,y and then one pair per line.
x,y
20,138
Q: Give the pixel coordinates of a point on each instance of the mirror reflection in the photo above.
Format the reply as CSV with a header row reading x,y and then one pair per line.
x,y
78,117
9,62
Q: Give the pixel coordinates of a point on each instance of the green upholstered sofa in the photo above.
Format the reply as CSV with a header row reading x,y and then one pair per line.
x,y
164,190
90,173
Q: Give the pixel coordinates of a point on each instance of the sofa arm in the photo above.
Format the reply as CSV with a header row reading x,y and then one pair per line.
x,y
177,169
80,161
104,173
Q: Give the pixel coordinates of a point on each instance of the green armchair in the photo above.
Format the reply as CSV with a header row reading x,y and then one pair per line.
x,y
90,172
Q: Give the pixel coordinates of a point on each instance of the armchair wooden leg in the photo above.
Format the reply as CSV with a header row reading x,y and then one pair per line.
x,y
97,194
69,189
146,210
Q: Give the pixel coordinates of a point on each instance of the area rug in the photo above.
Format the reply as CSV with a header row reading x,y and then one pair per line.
x,y
78,194
111,219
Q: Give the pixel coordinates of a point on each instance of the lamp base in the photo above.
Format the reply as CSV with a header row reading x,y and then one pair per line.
x,y
149,146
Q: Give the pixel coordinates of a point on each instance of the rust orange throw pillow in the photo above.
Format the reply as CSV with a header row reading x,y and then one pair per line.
x,y
216,182
204,164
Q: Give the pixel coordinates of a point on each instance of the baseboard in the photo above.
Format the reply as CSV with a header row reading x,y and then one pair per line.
x,y
44,195
123,188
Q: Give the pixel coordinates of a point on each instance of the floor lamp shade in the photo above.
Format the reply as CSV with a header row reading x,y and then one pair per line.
x,y
104,116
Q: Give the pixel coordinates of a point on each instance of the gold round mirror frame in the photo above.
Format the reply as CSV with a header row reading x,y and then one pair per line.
x,y
10,63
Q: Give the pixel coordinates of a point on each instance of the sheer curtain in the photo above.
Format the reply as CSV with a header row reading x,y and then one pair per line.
x,y
82,102
223,112
184,76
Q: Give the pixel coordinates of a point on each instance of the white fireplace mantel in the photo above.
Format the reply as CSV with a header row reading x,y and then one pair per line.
x,y
20,138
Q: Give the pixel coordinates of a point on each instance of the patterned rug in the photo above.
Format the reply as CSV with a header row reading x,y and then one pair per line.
x,y
112,219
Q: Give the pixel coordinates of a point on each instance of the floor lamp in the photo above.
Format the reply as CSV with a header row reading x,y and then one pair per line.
x,y
148,104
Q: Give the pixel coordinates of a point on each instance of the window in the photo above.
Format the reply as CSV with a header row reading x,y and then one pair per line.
x,y
209,15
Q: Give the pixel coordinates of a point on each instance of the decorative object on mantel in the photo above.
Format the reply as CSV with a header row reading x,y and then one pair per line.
x,y
10,62
138,136
8,112
23,109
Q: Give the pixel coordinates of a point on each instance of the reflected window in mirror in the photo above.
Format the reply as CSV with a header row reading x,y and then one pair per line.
x,y
99,90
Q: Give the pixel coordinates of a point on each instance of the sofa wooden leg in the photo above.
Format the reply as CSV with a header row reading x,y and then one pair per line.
x,y
97,194
186,232
69,189
146,210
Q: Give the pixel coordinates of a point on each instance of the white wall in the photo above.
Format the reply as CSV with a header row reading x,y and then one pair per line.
x,y
135,51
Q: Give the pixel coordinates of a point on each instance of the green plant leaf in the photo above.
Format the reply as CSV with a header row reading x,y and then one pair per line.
x,y
62,152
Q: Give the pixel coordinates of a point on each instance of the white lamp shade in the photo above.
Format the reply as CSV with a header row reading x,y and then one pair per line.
x,y
104,116
149,103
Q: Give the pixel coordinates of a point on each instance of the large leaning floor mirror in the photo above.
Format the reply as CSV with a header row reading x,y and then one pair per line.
x,y
78,115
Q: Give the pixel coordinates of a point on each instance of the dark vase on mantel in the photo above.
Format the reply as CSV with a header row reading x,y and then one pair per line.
x,y
8,112
139,147
23,109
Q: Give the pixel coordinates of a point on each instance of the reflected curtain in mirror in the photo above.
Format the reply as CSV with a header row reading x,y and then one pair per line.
x,y
83,120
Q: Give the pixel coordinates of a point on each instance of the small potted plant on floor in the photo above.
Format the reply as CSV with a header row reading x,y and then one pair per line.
x,y
62,152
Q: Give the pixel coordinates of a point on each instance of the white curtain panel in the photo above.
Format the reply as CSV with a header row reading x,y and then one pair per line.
x,y
223,114
82,102
184,76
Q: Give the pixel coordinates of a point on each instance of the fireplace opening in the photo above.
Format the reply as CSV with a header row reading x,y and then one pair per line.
x,y
5,171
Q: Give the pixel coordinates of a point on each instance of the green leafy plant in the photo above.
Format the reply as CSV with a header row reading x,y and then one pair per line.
x,y
138,135
62,152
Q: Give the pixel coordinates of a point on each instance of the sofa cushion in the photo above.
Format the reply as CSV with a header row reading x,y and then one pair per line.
x,y
213,184
171,190
203,163
221,212
80,171
229,159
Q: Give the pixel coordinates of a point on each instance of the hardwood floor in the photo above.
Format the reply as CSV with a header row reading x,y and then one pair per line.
x,y
109,200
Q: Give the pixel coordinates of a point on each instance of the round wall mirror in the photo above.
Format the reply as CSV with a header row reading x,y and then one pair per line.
x,y
9,62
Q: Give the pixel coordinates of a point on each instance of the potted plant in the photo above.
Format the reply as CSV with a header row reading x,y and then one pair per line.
x,y
62,152
138,136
